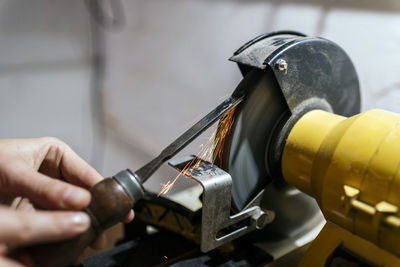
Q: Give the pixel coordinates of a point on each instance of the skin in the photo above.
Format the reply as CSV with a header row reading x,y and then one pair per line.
x,y
43,187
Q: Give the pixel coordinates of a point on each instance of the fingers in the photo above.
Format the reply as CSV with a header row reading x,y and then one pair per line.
x,y
22,228
47,192
55,158
15,203
9,263
129,217
20,203
77,171
3,250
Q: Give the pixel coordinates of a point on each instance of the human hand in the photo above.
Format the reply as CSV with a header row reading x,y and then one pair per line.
x,y
27,169
27,226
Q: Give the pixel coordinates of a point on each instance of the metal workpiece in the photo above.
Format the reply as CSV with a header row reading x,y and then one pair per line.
x,y
182,141
218,226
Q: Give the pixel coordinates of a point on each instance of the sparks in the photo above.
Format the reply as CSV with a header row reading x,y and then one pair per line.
x,y
208,151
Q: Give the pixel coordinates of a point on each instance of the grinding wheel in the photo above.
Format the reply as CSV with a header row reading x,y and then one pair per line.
x,y
318,75
248,141
245,156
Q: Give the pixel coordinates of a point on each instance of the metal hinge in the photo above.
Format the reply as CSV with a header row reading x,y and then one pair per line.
x,y
383,212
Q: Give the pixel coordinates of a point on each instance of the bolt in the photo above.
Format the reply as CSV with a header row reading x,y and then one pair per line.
x,y
281,65
262,218
261,221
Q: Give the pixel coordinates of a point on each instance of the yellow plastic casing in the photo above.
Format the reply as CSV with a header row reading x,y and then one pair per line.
x,y
351,166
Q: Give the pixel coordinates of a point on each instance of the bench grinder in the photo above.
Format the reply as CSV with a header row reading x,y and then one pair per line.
x,y
296,136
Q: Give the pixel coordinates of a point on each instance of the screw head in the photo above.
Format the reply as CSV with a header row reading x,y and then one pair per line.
x,y
281,65
262,218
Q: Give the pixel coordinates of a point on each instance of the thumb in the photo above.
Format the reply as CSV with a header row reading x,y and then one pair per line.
x,y
9,263
23,228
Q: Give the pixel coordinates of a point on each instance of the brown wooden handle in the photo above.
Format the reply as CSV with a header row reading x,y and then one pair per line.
x,y
109,205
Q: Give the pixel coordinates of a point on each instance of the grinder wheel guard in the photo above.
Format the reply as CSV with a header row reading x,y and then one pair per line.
x,y
287,75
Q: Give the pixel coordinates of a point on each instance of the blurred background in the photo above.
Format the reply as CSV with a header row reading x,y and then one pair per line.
x,y
120,80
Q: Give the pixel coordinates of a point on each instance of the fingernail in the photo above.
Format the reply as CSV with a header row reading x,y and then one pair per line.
x,y
79,221
75,197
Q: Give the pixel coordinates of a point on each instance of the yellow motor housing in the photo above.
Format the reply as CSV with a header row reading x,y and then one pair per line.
x,y
351,166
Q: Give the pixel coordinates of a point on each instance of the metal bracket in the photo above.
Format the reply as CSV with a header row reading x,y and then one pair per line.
x,y
218,226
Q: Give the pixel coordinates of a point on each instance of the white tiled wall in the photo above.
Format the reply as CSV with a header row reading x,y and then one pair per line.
x,y
167,66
